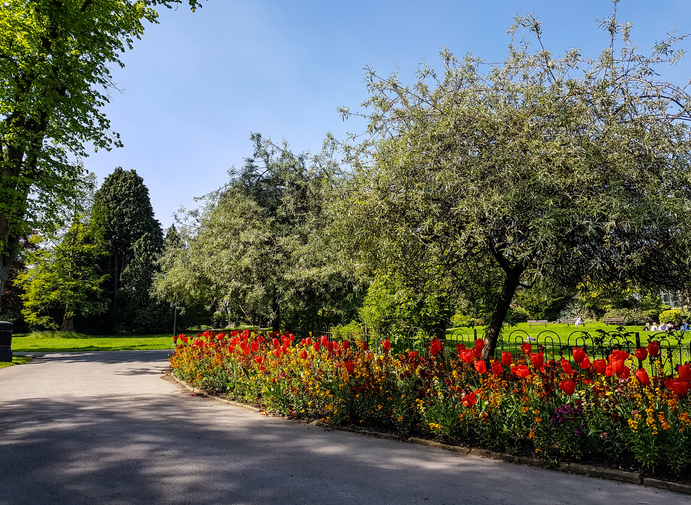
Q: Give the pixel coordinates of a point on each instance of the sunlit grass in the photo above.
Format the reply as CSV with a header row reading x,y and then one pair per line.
x,y
16,360
47,341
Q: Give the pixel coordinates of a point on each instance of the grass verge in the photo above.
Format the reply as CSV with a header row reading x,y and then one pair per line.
x,y
70,342
16,360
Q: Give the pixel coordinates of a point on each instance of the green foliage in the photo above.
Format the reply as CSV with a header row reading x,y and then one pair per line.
x,y
673,316
631,316
543,169
391,308
63,280
54,80
259,250
123,219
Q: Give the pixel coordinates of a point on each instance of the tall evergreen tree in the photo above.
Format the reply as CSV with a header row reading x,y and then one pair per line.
x,y
123,219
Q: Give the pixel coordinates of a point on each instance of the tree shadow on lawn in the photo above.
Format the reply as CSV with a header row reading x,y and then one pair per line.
x,y
179,448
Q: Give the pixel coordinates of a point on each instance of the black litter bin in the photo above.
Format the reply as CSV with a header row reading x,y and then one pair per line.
x,y
5,341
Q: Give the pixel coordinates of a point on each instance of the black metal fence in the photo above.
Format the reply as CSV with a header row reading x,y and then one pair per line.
x,y
675,347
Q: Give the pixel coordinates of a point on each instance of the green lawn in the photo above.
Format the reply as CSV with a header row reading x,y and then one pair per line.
x,y
16,360
68,342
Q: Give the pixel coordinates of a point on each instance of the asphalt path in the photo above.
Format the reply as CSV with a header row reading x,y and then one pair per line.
x,y
104,428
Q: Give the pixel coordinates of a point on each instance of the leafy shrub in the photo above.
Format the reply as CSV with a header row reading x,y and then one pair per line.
x,y
673,316
464,321
517,315
631,316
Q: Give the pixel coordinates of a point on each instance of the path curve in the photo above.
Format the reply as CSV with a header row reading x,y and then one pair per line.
x,y
104,428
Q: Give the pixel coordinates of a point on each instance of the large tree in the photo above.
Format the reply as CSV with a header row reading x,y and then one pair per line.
x,y
54,79
259,248
63,281
123,219
543,169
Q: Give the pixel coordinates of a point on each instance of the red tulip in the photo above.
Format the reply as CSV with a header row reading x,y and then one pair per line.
x,y
537,360
618,355
480,366
386,344
566,366
349,366
231,348
183,338
435,347
175,339
324,339
329,346
578,354
255,346
476,352
247,351
526,348
506,358
308,341
412,355
600,366
521,371
459,348
641,353
618,366
568,387
259,359
467,356
470,399
303,354
275,342
585,363
317,347
345,344
685,372
642,377
681,387
653,348
277,353
496,368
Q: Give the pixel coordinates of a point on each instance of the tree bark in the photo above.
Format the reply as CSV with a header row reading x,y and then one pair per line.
x,y
276,309
512,281
67,322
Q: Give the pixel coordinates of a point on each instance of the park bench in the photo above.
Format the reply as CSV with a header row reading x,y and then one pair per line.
x,y
573,321
619,321
537,322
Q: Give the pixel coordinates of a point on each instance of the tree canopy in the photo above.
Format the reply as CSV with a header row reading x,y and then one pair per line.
x,y
258,249
541,170
54,80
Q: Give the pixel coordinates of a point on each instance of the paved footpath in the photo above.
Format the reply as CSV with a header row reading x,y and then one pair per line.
x,y
104,428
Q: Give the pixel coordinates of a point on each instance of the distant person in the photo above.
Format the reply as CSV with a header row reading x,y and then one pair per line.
x,y
662,327
578,322
647,327
653,327
684,325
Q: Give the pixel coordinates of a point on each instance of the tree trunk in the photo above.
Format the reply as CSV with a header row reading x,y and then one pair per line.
x,y
276,309
493,330
67,322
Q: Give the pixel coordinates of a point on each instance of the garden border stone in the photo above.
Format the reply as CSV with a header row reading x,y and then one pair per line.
x,y
606,473
575,468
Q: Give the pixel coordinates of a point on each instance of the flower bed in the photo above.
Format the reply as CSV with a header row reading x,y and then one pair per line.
x,y
608,409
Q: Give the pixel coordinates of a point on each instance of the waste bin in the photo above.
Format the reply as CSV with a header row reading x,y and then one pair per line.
x,y
5,341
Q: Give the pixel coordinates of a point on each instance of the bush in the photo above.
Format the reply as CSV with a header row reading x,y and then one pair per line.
x,y
673,316
630,316
517,315
464,321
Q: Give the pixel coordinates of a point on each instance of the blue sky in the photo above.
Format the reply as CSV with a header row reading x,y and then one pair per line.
x,y
198,83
